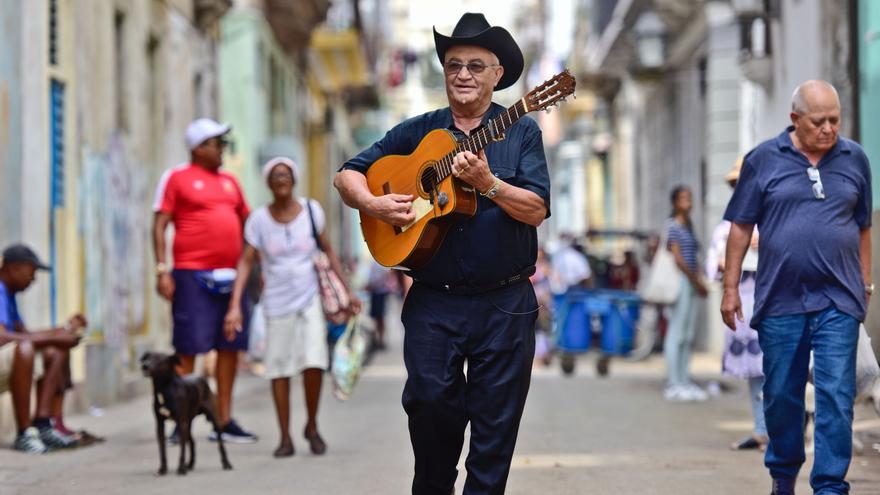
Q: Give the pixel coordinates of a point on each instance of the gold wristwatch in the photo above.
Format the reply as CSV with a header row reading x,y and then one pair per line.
x,y
492,191
161,268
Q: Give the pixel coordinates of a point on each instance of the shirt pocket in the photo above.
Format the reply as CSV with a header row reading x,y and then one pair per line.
x,y
506,173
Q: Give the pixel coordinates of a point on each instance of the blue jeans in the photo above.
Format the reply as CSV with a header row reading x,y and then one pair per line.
x,y
787,341
680,335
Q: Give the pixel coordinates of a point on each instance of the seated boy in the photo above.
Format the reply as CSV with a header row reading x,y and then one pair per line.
x,y
18,348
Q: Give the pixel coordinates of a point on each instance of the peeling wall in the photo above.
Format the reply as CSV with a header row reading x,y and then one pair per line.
x,y
10,123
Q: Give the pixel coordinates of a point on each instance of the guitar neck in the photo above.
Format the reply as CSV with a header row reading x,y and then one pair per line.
x,y
492,131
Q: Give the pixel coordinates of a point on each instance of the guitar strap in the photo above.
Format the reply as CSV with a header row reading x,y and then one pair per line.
x,y
314,227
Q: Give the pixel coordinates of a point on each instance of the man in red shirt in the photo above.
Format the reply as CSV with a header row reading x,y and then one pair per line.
x,y
208,211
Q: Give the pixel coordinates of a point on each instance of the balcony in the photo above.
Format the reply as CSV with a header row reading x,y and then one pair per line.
x,y
208,12
293,21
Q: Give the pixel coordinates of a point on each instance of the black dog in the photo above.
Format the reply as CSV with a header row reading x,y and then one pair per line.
x,y
180,399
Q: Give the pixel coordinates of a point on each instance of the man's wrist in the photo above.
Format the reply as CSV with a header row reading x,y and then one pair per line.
x,y
161,268
492,191
869,288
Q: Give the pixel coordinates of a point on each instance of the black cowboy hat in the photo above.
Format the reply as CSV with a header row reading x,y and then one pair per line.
x,y
474,29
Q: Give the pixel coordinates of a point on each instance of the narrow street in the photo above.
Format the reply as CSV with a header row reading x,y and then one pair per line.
x,y
580,435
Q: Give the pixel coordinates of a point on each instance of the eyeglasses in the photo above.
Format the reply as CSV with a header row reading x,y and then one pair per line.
x,y
453,68
818,189
217,141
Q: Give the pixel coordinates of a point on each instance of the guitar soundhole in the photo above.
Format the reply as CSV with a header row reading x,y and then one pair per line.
x,y
428,180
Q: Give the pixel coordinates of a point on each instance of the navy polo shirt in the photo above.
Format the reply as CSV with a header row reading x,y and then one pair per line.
x,y
490,246
809,248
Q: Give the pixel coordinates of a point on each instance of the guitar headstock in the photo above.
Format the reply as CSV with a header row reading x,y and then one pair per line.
x,y
551,92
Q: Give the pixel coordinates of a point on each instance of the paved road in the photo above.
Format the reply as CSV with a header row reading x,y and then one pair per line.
x,y
580,435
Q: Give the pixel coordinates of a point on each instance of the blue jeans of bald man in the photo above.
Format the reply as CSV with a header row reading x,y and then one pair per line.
x,y
442,332
787,341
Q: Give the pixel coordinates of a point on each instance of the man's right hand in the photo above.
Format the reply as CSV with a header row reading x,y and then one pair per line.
x,y
731,308
395,209
232,323
165,286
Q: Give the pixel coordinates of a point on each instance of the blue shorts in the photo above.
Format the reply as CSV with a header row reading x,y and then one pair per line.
x,y
198,317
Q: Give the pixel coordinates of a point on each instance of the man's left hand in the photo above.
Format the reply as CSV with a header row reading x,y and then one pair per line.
x,y
473,169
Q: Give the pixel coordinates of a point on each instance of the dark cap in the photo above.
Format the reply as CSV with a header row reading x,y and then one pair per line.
x,y
19,253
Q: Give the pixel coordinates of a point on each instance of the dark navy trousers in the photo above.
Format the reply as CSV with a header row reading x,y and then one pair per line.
x,y
442,333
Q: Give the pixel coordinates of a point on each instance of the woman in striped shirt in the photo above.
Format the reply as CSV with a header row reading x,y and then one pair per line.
x,y
684,246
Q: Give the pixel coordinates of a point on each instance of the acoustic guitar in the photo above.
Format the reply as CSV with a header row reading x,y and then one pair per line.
x,y
441,199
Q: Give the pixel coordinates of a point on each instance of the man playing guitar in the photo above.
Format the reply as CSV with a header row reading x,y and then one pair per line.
x,y
472,301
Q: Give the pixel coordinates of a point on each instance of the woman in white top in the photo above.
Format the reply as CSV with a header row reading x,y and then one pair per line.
x,y
296,331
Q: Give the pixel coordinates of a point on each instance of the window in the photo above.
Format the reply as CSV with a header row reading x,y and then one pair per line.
x,y
56,178
53,32
56,137
119,59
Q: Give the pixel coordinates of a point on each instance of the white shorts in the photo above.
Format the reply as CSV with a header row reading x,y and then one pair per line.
x,y
296,342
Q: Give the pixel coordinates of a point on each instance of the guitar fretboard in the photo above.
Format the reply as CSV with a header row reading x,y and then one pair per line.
x,y
492,131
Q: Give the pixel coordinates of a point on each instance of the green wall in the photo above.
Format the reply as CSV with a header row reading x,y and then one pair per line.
x,y
869,87
259,96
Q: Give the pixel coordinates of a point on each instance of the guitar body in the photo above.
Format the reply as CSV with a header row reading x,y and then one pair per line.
x,y
412,246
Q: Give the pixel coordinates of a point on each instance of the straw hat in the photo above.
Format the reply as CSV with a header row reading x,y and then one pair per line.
x,y
733,175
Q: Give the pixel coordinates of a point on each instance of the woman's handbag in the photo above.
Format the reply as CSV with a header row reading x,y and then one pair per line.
x,y
663,283
334,296
348,359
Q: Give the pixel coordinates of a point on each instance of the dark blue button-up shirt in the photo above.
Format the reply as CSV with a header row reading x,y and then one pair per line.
x,y
490,246
809,248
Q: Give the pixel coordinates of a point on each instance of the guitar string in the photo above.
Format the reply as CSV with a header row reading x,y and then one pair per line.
x,y
480,140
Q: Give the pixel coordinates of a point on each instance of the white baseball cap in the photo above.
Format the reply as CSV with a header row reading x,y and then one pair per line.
x,y
202,130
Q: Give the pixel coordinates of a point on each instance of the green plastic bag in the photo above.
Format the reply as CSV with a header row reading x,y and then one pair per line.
x,y
348,359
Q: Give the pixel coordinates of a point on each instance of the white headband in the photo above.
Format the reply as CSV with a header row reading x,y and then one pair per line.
x,y
280,160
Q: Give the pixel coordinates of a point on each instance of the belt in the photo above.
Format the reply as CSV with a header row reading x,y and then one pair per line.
x,y
469,290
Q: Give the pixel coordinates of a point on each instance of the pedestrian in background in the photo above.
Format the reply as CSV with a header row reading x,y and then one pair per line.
x,y
742,353
208,211
571,268
380,282
809,192
544,324
296,332
683,244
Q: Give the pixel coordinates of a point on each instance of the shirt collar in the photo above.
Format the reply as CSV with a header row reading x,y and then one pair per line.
x,y
783,141
494,110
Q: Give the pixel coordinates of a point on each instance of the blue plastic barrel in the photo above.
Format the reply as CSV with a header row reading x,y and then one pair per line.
x,y
575,319
618,324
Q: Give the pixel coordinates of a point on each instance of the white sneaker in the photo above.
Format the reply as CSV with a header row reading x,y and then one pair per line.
x,y
695,393
676,393
29,442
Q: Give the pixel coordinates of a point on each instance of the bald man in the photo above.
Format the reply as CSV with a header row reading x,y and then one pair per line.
x,y
809,193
